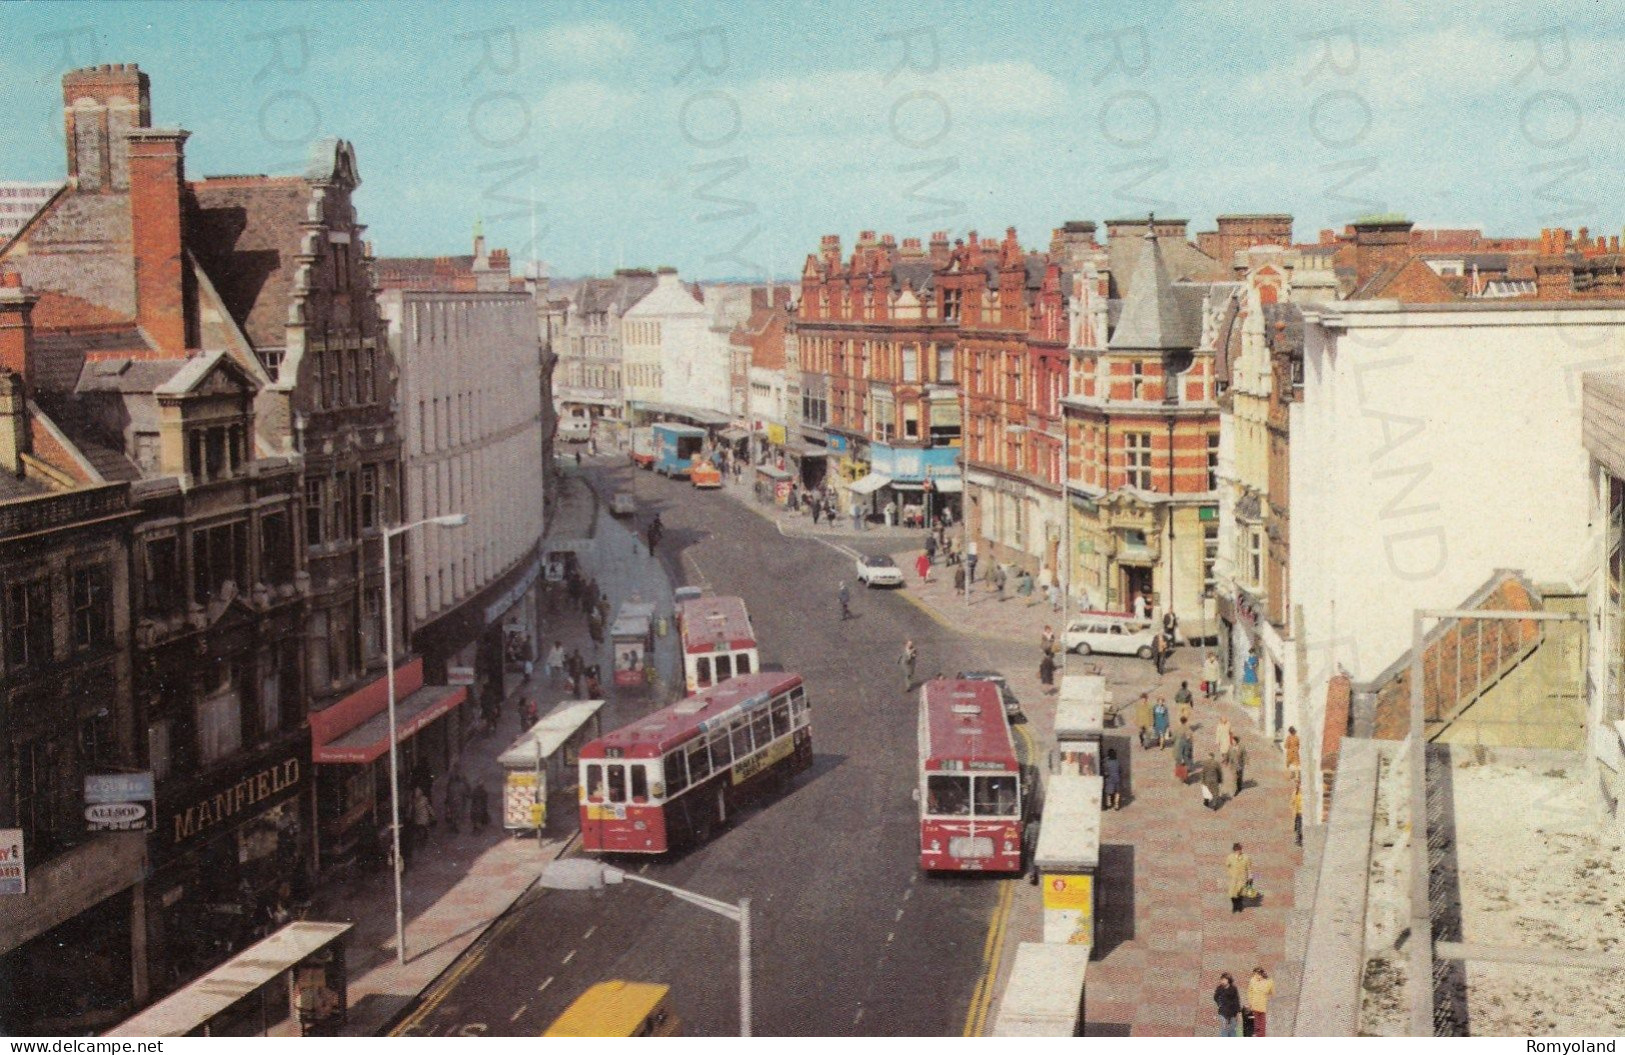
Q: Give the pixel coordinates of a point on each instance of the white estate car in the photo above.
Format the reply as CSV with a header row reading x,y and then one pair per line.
x,y
622,504
879,571
1110,635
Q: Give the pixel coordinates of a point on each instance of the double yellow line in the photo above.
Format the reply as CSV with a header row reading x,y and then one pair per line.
x,y
992,952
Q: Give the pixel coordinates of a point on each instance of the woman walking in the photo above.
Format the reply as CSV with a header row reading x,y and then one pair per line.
x,y
1114,780
1046,671
1159,722
1210,675
1238,869
1259,990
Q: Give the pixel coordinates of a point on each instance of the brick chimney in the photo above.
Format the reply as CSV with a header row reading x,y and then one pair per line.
x,y
1073,242
939,248
100,105
157,176
1554,278
1378,244
16,370
1237,232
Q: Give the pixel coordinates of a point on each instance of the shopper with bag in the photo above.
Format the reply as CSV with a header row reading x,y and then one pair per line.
x,y
1259,990
1238,874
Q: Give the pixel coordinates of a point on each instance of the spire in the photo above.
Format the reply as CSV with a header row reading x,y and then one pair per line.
x,y
1151,316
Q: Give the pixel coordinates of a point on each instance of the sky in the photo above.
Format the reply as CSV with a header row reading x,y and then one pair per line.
x,y
725,139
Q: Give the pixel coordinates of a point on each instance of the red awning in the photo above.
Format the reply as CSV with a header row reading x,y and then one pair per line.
x,y
370,740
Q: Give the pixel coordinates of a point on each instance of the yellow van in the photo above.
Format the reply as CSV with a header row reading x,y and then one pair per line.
x,y
619,1009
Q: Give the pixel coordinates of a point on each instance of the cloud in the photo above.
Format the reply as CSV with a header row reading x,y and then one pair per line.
x,y
590,43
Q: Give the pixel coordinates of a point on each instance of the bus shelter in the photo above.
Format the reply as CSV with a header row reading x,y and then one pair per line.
x,y
542,762
773,484
632,638
292,983
1044,994
1080,722
1068,857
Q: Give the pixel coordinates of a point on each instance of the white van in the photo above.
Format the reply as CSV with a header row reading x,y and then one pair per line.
x,y
1109,634
575,429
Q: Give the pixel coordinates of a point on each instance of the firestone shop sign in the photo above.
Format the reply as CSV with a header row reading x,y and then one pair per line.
x,y
247,795
13,875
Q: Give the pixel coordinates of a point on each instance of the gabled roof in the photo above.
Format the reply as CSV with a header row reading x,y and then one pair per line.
x,y
1155,317
1412,282
196,370
245,234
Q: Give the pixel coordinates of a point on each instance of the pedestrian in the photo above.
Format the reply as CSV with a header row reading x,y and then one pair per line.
x,y
1046,640
1212,787
456,799
1227,998
1024,586
817,509
1293,752
595,628
594,689
1238,872
1159,652
1297,813
554,663
1238,762
1183,696
1184,749
422,817
891,514
1046,670
930,547
857,525
1210,675
1170,627
1139,607
922,564
1222,737
573,664
1159,722
999,579
970,563
907,660
1259,990
603,607
845,597
479,808
1114,780
959,579
1145,719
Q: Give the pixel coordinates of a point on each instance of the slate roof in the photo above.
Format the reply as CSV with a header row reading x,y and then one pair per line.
x,y
246,236
1156,316
59,355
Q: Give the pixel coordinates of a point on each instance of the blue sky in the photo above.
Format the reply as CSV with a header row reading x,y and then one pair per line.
x,y
725,139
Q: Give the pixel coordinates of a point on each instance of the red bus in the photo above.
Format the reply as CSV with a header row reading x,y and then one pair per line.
x,y
970,789
718,641
668,779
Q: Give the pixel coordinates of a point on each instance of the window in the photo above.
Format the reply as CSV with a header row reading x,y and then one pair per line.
x,y
996,796
617,782
761,728
270,692
158,757
1138,381
1210,554
1137,459
349,356
37,794
372,623
218,555
219,725
911,363
320,680
640,782
147,452
161,591
945,364
341,642
1255,556
369,383
676,768
1213,461
947,796
315,510
28,623
276,550
911,421
92,607
328,364
340,526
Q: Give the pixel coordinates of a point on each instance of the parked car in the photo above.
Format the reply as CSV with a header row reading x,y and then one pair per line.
x,y
879,571
622,504
1110,635
686,593
1012,706
575,429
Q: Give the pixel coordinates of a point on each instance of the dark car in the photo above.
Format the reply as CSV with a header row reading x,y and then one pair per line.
x,y
1012,706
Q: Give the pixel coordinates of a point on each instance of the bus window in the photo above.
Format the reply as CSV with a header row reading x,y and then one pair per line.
x,y
595,783
996,796
702,670
721,756
781,718
699,762
741,738
640,783
761,727
617,782
742,662
725,667
676,772
949,796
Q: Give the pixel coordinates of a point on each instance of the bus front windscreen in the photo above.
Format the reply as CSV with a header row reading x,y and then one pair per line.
x,y
997,796
947,796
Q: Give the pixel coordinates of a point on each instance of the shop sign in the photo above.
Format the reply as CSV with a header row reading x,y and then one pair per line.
x,y
775,435
837,443
238,798
13,874
118,802
459,675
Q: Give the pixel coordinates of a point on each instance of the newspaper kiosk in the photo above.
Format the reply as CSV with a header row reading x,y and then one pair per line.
x,y
1068,857
1044,995
1080,722
773,485
542,762
633,639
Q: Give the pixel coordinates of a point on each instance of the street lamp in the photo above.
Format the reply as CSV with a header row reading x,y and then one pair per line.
x,y
579,873
450,520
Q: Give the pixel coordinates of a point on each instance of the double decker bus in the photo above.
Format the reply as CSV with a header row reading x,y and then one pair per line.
x,y
668,779
718,641
970,788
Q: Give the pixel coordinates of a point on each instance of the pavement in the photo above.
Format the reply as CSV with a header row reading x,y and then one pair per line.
x,y
462,882
1165,926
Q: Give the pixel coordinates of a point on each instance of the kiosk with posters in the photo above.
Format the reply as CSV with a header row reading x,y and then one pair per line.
x,y
773,484
633,640
1068,857
542,762
1080,722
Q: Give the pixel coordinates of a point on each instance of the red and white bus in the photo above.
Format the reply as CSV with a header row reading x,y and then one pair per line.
x,y
668,779
718,641
970,791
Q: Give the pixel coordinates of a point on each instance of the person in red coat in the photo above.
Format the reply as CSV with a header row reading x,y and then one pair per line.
x,y
922,564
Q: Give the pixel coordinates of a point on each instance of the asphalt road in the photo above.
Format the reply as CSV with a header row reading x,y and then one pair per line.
x,y
850,938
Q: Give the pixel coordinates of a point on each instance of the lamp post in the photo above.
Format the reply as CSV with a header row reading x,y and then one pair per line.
x,y
450,520
579,873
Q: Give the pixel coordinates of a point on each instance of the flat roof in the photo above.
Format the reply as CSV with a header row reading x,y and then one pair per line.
x,y
1069,832
1080,711
549,734
1043,996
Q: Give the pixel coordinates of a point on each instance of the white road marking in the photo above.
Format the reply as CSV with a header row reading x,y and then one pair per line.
x,y
897,917
643,868
515,1016
891,937
545,984
590,929
859,1016
908,893
569,956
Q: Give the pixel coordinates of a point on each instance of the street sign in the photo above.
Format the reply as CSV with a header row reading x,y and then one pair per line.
x,y
13,874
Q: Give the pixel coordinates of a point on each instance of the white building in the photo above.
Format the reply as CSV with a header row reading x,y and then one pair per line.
x,y
19,202
667,352
1432,445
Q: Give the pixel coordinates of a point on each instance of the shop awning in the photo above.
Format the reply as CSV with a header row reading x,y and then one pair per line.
x,y
869,484
733,434
948,485
804,450
356,729
907,485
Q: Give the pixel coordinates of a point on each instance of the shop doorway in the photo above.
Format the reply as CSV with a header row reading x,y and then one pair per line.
x,y
1136,582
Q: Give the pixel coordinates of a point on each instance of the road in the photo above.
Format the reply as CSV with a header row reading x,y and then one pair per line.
x,y
850,938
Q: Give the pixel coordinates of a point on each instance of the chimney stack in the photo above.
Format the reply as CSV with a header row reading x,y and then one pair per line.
x,y
1380,242
100,106
939,248
1077,238
1554,278
157,175
16,328
1237,232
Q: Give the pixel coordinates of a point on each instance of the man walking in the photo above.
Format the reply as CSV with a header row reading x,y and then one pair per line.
x,y
970,563
1159,652
1227,998
907,660
1211,786
1238,869
845,597
1238,761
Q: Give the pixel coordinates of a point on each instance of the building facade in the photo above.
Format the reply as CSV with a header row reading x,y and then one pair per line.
x,y
19,201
